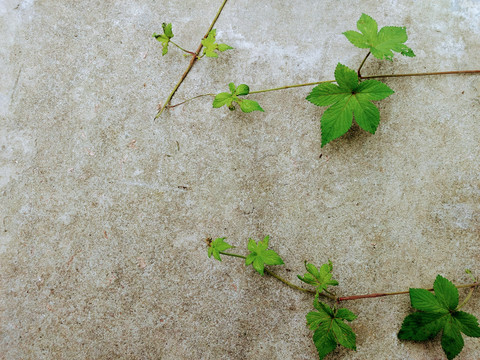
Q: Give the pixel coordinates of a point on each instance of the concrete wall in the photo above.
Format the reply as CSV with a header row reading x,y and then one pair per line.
x,y
103,211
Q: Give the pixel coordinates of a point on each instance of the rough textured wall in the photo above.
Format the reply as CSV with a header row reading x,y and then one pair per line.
x,y
103,211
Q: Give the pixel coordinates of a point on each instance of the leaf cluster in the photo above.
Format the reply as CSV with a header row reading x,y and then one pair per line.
x,y
348,98
329,328
216,246
210,45
381,43
321,279
165,37
260,255
228,99
439,312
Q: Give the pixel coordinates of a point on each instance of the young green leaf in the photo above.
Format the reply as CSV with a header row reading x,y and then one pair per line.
x,y
217,245
259,255
228,99
381,44
350,97
437,313
165,37
321,279
330,329
209,45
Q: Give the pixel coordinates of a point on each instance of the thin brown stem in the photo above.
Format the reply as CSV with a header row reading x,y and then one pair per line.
x,y
290,86
181,48
360,67
183,102
192,61
423,74
357,297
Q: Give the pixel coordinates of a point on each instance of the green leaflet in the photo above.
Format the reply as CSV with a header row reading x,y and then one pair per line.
x,y
227,99
260,256
165,37
329,328
439,313
348,98
381,44
216,246
321,279
210,45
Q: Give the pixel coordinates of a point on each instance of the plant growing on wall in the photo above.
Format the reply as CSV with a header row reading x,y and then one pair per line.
x,y
438,312
349,97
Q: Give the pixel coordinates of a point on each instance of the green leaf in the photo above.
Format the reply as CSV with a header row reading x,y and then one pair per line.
x,y
210,45
381,44
439,312
321,279
329,328
446,293
452,341
167,30
222,99
324,340
165,37
422,326
344,334
249,105
424,300
224,47
348,99
242,89
259,255
227,99
315,318
346,314
467,323
216,246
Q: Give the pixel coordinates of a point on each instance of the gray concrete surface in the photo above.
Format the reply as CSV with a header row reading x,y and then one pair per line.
x,y
103,216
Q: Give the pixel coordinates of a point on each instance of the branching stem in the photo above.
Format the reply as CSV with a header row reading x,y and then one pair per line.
x,y
183,102
278,277
338,299
192,61
189,52
363,62
357,297
329,81
423,74
290,86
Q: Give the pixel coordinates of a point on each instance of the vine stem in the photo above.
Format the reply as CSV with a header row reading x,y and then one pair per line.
x,y
291,86
278,277
183,102
192,61
190,52
363,62
338,299
357,297
422,74
330,81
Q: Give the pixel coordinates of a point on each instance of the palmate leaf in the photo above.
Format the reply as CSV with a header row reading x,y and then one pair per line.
x,y
321,279
437,313
165,37
217,245
348,98
260,256
227,99
381,44
210,45
329,328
